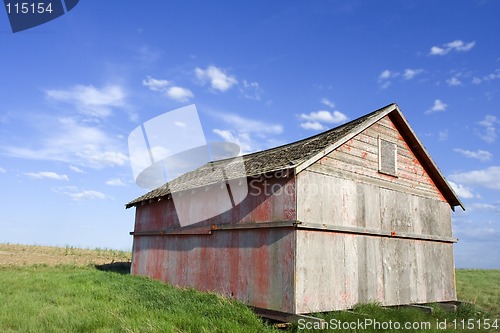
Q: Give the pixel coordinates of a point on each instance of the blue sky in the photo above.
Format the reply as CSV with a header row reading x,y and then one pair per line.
x,y
261,74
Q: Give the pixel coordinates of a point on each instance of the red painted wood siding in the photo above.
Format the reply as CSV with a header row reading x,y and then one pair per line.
x,y
269,199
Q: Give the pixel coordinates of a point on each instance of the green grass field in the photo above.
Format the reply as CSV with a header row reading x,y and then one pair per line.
x,y
81,298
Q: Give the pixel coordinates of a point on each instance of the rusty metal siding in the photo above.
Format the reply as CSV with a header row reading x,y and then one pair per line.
x,y
255,266
337,271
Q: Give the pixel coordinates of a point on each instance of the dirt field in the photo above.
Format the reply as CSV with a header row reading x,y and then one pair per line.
x,y
13,254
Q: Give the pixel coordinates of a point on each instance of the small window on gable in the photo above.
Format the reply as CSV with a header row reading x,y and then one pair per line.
x,y
387,157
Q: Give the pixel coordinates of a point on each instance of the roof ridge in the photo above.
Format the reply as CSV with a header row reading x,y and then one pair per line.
x,y
281,157
310,138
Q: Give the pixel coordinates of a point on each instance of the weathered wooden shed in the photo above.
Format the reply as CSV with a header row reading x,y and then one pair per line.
x,y
359,213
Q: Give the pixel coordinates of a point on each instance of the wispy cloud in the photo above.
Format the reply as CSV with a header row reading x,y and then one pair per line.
x,y
481,155
251,125
454,81
456,45
488,130
115,182
155,84
177,93
443,135
78,194
46,175
251,90
2,170
91,101
438,106
411,73
325,101
492,76
249,134
76,169
216,77
461,191
488,178
68,140
384,78
87,195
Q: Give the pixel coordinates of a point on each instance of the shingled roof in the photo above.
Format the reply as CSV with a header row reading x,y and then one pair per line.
x,y
296,155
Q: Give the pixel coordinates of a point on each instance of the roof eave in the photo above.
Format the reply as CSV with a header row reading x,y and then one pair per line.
x,y
425,159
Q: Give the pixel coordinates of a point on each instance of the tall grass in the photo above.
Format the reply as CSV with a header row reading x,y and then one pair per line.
x,y
83,299
69,298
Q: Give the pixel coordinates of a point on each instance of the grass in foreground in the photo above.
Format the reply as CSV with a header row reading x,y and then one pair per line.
x,y
79,298
83,299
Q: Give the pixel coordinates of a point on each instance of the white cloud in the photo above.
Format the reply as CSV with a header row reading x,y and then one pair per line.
x,y
481,155
176,93
68,140
87,195
334,117
439,106
91,101
2,170
386,74
327,102
106,158
247,125
47,175
435,50
461,191
443,135
313,125
483,207
216,77
251,90
488,132
179,94
454,81
492,76
385,77
249,134
456,45
241,139
155,84
476,80
115,182
411,73
76,169
488,178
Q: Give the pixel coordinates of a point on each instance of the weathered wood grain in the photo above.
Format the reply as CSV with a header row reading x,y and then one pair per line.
x,y
337,271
